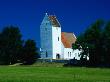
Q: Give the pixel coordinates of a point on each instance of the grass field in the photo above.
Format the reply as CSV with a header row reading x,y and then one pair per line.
x,y
53,74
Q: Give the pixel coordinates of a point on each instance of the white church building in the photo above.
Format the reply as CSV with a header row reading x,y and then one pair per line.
x,y
54,43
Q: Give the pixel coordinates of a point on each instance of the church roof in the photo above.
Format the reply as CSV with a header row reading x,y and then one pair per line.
x,y
54,21
68,39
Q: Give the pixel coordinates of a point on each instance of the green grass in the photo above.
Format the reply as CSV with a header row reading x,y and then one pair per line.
x,y
53,74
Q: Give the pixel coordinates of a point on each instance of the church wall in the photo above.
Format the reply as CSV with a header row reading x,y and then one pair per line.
x,y
62,51
68,53
46,38
56,42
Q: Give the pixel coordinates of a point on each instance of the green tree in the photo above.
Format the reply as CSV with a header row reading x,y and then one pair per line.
x,y
93,39
90,41
30,52
10,45
106,44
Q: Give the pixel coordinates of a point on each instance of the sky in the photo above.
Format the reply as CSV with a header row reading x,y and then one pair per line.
x,y
73,15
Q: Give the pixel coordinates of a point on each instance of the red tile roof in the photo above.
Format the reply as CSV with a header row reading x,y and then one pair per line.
x,y
67,39
54,21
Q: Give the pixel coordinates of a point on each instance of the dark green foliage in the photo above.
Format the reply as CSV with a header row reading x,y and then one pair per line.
x,y
96,41
30,53
75,46
106,44
12,49
93,41
10,45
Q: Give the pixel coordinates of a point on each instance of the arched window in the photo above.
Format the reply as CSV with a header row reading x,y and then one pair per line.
x,y
58,38
46,54
70,54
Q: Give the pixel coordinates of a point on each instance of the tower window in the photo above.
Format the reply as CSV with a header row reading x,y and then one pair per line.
x,y
46,54
46,23
46,29
58,38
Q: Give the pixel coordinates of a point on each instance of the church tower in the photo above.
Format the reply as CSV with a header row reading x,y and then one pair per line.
x,y
50,34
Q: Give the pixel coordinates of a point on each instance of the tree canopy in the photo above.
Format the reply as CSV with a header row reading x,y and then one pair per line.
x,y
12,48
96,39
29,55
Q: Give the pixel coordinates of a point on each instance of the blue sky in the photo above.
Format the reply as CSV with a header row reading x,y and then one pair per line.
x,y
73,15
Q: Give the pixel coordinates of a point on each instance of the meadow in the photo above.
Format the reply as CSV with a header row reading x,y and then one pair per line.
x,y
53,74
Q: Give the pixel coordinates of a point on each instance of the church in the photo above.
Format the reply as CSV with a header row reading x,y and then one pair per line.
x,y
56,44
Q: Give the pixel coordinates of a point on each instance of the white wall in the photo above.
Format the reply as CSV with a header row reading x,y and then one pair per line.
x,y
68,53
62,51
56,43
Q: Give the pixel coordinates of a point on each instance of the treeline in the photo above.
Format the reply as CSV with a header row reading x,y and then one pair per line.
x,y
95,41
15,50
